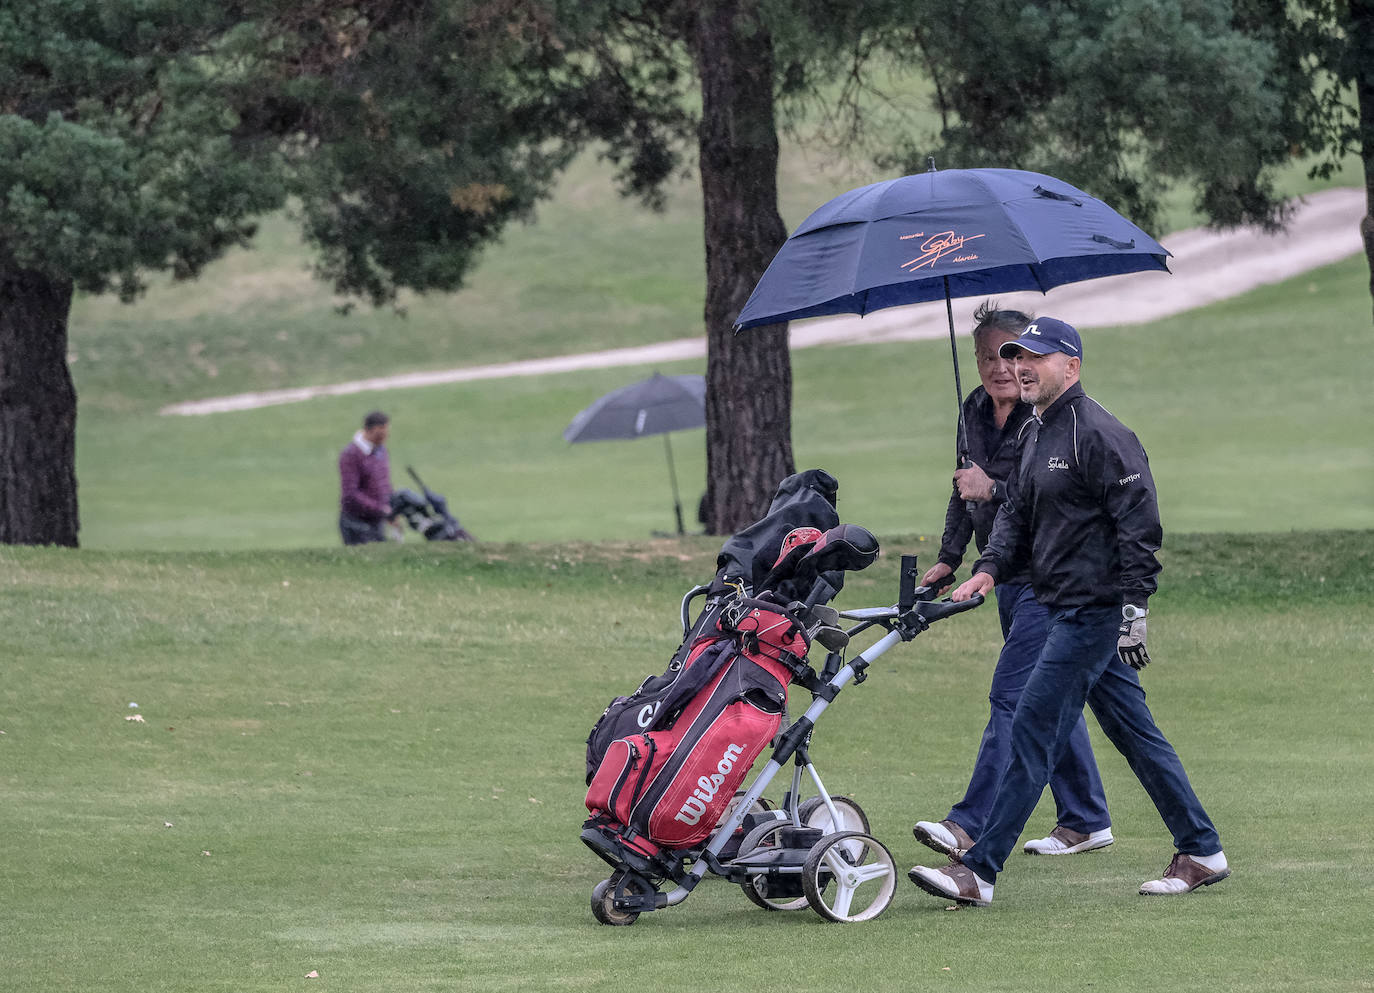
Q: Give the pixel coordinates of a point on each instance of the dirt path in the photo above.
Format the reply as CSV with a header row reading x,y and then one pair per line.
x,y
1207,266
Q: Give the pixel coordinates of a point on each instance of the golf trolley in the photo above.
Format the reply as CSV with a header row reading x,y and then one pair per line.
x,y
815,852
427,514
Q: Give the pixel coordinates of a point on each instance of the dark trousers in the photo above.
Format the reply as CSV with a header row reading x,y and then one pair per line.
x,y
356,531
1079,664
1079,800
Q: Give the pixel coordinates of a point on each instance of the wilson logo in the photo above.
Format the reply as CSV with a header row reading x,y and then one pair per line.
x,y
707,787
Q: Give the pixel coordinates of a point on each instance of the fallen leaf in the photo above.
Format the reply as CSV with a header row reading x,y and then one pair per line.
x,y
136,717
205,853
533,800
166,823
312,974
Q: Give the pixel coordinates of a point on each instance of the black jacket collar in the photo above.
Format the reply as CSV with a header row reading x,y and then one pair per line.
x,y
1062,403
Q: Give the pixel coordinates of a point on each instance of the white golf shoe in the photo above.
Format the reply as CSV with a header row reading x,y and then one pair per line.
x,y
1062,841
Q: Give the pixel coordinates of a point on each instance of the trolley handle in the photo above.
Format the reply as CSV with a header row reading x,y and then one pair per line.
x,y
935,610
692,594
923,613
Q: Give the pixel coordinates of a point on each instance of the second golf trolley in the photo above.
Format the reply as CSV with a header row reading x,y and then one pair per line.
x,y
677,827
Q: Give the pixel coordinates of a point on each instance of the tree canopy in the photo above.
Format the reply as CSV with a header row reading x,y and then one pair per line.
x,y
147,135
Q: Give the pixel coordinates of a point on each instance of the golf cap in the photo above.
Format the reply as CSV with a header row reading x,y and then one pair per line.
x,y
1044,335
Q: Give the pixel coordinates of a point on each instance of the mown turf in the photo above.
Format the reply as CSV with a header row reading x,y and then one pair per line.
x,y
368,765
1253,411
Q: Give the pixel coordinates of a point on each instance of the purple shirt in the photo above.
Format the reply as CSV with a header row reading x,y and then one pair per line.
x,y
365,482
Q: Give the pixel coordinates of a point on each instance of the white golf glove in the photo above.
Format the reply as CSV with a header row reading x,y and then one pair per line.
x,y
1130,646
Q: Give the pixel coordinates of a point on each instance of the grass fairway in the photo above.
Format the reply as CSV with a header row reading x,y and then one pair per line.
x,y
1253,411
369,765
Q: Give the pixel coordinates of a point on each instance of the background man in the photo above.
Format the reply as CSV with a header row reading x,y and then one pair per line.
x,y
365,483
1082,508
993,415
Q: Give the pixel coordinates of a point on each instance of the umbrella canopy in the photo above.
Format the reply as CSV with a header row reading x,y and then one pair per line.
x,y
656,405
651,406
942,234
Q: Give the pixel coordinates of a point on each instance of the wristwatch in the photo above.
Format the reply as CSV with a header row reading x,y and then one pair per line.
x,y
997,492
1131,612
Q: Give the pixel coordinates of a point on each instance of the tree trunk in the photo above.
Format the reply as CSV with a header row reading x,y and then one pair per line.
x,y
37,411
1362,41
749,375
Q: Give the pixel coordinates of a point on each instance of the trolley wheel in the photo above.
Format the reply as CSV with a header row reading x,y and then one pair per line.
x,y
814,813
759,806
849,876
756,887
603,902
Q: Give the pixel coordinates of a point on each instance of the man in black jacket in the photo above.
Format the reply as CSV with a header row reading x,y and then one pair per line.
x,y
994,414
1082,511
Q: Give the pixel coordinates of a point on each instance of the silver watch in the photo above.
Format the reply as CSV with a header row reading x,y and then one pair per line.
x,y
1131,612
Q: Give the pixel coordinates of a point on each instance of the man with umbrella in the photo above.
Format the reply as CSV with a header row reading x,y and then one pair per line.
x,y
993,415
1082,510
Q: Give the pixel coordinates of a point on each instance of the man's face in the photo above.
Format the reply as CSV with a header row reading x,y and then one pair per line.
x,y
1043,378
997,374
377,434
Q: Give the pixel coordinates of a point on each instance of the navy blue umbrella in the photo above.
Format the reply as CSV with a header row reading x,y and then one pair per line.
x,y
953,233
945,234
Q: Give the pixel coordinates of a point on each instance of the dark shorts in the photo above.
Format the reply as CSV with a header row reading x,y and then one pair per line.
x,y
360,532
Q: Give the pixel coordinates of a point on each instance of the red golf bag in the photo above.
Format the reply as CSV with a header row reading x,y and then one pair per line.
x,y
670,785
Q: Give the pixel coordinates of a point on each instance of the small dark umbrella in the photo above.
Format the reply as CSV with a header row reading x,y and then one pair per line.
x,y
656,405
944,234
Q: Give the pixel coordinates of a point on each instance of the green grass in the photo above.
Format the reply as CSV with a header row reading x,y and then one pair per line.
x,y
367,762
1254,412
1278,378
370,763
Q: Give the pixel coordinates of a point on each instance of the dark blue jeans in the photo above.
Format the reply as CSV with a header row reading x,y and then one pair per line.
x,y
1078,665
360,532
1079,800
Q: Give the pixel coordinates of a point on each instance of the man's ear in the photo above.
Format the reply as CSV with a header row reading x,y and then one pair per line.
x,y
1073,366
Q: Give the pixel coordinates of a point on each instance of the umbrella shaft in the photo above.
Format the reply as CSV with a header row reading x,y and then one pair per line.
x,y
672,478
962,443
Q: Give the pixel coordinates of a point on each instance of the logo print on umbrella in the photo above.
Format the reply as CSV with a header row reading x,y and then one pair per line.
x,y
937,246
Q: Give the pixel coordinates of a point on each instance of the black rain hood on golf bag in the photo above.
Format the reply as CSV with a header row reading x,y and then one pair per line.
x,y
805,499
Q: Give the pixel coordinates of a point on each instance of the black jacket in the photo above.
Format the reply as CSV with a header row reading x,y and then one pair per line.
x,y
994,449
1081,509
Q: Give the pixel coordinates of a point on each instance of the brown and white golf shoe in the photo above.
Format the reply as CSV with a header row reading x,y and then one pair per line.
x,y
946,837
1063,841
1185,874
955,881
